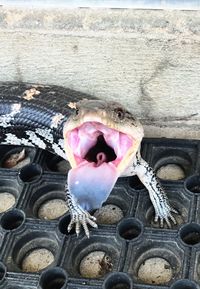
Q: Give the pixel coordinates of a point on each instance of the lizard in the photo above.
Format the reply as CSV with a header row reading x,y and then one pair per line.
x,y
100,139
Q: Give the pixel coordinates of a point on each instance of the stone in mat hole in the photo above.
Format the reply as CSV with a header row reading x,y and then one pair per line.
x,y
62,166
52,209
17,160
7,201
171,172
22,163
37,260
155,271
109,214
95,265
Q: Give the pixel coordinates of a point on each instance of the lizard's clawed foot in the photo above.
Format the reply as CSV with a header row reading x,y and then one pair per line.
x,y
80,217
165,214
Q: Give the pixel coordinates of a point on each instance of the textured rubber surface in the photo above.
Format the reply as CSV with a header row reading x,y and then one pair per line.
x,y
131,252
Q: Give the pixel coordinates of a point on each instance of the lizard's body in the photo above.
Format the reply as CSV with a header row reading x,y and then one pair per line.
x,y
101,140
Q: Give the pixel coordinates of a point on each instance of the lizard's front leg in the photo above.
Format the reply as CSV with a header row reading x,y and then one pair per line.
x,y
79,216
163,210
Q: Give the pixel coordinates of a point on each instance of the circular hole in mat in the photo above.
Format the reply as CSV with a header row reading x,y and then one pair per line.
x,y
16,159
108,214
155,271
193,184
12,219
118,280
2,271
129,228
190,234
136,184
30,173
35,250
63,225
36,260
52,209
54,278
172,172
184,284
57,164
7,201
172,164
95,265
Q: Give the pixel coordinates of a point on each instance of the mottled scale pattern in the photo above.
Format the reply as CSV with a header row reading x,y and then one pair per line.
x,y
34,115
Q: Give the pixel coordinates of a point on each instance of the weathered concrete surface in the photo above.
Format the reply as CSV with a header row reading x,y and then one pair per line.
x,y
149,60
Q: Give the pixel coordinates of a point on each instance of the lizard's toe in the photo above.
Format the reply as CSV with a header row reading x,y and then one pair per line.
x,y
92,218
173,219
174,210
92,223
71,224
168,222
161,223
78,225
85,227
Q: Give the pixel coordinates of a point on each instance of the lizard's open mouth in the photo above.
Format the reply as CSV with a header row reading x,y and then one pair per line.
x,y
96,143
98,154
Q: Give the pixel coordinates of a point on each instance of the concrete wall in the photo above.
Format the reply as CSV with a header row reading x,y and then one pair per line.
x,y
147,59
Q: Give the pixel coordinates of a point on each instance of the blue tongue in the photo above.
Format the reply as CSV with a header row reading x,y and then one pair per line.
x,y
91,185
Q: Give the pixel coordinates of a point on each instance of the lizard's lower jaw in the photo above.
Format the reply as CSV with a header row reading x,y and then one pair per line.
x,y
98,155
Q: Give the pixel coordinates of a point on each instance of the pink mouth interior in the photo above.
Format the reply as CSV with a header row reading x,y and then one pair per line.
x,y
97,150
95,143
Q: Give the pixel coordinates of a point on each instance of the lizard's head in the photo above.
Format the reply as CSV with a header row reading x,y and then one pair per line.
x,y
100,140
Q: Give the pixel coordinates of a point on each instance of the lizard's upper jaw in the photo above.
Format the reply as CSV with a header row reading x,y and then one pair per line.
x,y
97,143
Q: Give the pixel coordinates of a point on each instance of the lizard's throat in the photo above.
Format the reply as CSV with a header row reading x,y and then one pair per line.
x,y
101,152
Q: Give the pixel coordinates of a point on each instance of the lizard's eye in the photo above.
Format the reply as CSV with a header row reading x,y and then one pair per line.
x,y
120,113
76,111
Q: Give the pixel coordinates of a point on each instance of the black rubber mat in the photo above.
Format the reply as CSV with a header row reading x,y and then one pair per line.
x,y
128,250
